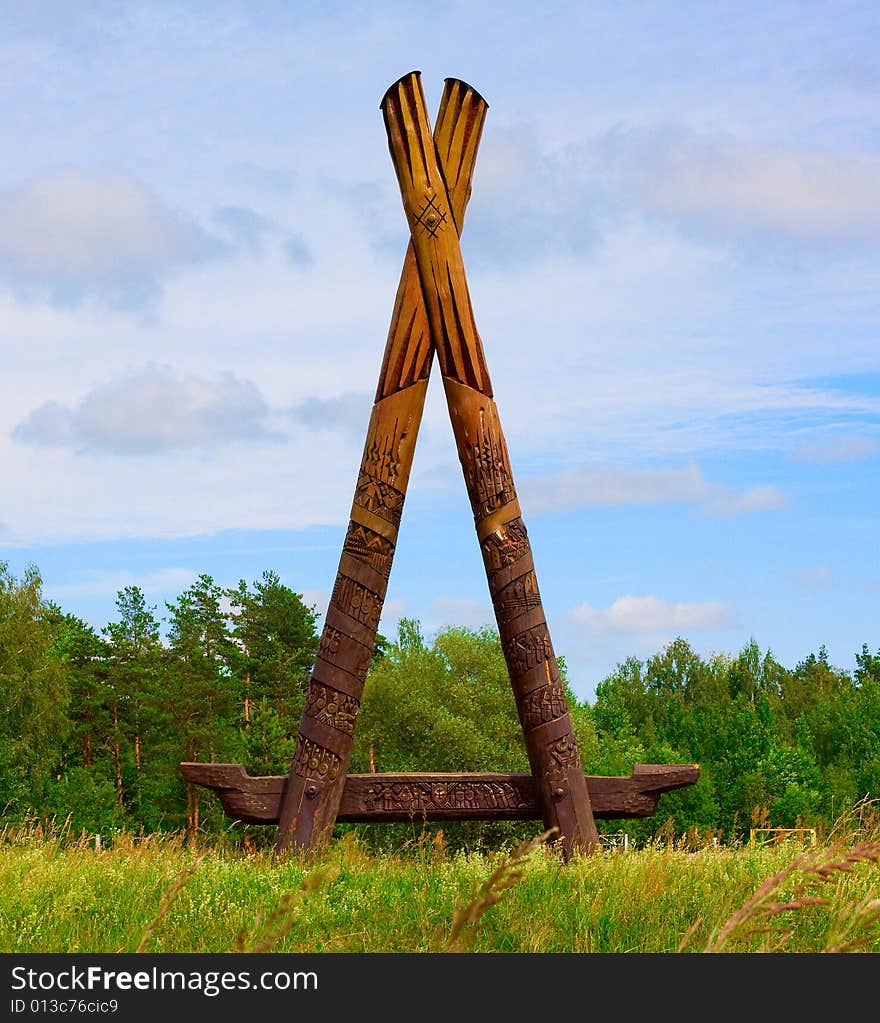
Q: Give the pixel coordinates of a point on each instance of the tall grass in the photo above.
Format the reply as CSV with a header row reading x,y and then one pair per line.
x,y
58,893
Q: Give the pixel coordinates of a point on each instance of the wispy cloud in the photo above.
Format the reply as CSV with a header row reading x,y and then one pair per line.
x,y
722,502
69,236
588,486
245,226
349,412
164,582
297,251
249,230
150,410
533,200
729,189
849,447
650,614
392,611
459,611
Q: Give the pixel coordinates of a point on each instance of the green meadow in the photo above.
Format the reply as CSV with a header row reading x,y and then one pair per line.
x,y
160,894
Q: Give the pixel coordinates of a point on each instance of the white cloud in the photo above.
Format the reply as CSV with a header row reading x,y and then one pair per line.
x,y
319,599
164,582
533,200
150,410
392,611
650,348
461,611
849,447
588,486
653,615
530,202
723,502
728,188
72,235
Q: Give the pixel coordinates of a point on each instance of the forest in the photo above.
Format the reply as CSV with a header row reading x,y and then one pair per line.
x,y
95,721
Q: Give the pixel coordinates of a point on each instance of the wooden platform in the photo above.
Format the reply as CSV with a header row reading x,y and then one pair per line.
x,y
377,798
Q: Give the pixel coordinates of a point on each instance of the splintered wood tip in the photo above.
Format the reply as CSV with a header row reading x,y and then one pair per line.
x,y
466,85
395,85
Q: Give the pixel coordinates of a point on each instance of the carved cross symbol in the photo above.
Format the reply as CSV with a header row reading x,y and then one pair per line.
x,y
431,217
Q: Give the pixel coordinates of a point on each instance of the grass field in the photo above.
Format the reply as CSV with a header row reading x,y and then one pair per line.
x,y
158,894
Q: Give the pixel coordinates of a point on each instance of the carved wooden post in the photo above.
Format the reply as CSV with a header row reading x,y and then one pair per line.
x,y
534,674
313,792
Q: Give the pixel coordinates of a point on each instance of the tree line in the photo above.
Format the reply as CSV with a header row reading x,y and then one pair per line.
x,y
95,721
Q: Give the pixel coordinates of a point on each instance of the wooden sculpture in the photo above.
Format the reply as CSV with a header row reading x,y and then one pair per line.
x,y
433,313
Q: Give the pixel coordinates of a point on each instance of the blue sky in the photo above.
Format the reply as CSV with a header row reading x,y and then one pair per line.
x,y
672,250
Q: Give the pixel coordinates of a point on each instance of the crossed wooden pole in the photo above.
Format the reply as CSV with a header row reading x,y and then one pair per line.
x,y
433,314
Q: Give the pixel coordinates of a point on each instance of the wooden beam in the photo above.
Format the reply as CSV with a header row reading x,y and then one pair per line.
x,y
386,798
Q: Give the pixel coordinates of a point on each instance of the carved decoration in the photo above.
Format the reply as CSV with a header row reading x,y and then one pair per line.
x,y
431,218
543,705
528,649
505,546
564,754
423,797
329,645
313,761
357,601
381,458
379,497
257,800
371,548
487,469
517,597
332,708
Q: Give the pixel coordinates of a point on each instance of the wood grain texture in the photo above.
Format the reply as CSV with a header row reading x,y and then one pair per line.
x,y
534,674
388,798
409,352
323,751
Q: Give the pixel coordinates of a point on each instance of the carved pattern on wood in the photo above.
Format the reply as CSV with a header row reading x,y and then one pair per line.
x,y
421,797
543,705
257,800
505,546
371,548
431,218
487,467
357,601
328,648
381,457
332,708
564,755
517,597
313,761
528,649
329,645
379,497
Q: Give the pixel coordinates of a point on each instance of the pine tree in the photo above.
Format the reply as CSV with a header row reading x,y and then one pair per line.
x,y
34,693
201,685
